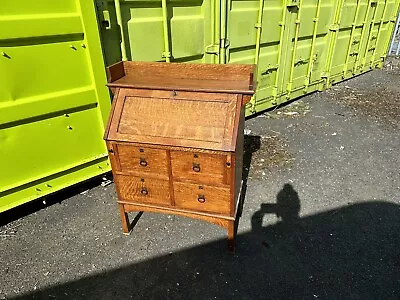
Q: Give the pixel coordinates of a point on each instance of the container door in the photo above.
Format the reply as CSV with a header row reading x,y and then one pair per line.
x,y
179,31
255,35
53,99
380,28
291,50
361,38
308,46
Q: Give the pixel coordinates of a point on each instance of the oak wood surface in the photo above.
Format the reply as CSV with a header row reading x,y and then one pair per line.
x,y
232,78
222,221
181,95
200,197
111,117
124,219
175,119
172,148
182,84
143,189
171,186
115,72
199,167
143,161
175,139
174,122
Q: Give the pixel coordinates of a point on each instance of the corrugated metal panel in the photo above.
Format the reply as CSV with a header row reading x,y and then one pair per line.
x,y
307,45
53,101
193,34
299,46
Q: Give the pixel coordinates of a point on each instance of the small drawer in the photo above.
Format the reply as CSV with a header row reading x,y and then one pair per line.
x,y
202,198
143,190
199,167
147,161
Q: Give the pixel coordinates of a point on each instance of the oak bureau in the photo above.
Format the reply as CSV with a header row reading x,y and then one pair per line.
x,y
175,139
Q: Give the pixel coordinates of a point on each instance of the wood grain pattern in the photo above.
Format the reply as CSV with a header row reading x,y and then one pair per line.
x,y
204,198
182,84
131,189
212,168
111,148
115,72
193,71
171,186
175,119
173,148
124,219
215,219
175,122
232,78
143,161
112,116
181,95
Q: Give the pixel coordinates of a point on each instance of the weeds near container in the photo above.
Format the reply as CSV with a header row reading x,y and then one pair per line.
x,y
294,109
273,153
377,101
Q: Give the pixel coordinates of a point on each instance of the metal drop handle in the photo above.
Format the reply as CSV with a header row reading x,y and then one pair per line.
x,y
144,191
196,167
201,198
143,162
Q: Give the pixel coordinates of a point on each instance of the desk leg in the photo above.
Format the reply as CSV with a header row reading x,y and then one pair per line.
x,y
124,220
231,236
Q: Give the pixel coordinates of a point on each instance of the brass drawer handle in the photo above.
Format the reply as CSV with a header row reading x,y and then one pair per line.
x,y
196,167
201,198
144,191
143,162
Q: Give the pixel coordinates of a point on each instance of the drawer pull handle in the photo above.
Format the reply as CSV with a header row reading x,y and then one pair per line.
x,y
196,167
143,162
201,198
144,191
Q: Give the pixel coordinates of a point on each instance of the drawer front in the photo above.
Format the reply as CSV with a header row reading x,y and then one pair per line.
x,y
143,190
202,198
199,167
144,161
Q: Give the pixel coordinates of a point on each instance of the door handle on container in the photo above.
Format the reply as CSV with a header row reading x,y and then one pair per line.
x,y
106,21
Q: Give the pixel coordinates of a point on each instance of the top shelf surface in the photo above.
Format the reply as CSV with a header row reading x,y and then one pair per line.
x,y
235,79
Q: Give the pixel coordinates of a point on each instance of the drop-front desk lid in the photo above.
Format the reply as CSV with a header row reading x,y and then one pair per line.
x,y
185,105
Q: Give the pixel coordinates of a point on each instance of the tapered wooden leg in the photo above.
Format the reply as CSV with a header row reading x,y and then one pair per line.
x,y
231,236
124,220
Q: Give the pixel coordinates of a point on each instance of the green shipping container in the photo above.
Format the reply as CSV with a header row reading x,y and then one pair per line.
x,y
53,99
299,46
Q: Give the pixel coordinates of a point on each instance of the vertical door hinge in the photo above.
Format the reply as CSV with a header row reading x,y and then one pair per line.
x,y
224,43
